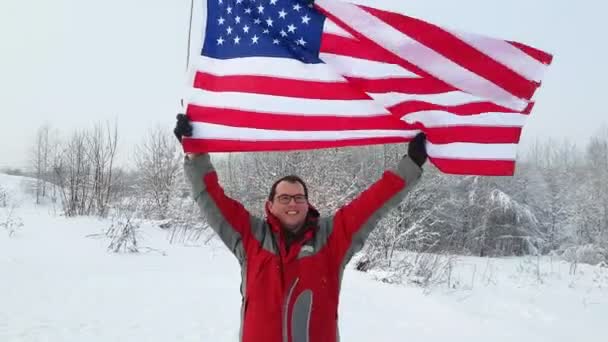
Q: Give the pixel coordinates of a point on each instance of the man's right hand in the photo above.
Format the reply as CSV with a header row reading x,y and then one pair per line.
x,y
183,128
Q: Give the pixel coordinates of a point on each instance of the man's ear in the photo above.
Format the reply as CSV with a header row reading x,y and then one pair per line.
x,y
268,205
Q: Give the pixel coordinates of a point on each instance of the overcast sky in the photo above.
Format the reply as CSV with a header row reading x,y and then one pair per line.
x,y
75,62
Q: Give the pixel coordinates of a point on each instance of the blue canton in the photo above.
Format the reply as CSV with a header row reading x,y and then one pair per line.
x,y
263,28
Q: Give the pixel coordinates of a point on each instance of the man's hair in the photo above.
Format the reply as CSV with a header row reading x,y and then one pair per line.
x,y
290,179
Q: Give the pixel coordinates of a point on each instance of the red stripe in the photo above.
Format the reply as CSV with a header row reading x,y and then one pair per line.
x,y
218,145
464,109
238,118
364,48
459,52
401,85
537,54
340,45
473,134
279,87
475,167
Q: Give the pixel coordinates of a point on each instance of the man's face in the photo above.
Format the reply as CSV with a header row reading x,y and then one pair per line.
x,y
289,205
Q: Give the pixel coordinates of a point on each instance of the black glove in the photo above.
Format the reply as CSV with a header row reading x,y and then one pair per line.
x,y
183,128
416,149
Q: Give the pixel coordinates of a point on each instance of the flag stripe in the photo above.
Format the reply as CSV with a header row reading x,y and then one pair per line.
x,y
352,47
402,85
452,98
233,145
231,117
331,28
267,66
439,118
285,105
458,51
279,86
537,54
472,134
475,167
203,130
363,68
464,109
366,26
506,54
472,151
425,83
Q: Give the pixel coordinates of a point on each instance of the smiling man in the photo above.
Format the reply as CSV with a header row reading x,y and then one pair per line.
x,y
292,260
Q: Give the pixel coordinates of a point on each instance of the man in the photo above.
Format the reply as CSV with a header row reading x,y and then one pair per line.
x,y
292,261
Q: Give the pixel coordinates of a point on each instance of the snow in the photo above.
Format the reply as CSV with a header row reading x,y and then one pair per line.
x,y
58,283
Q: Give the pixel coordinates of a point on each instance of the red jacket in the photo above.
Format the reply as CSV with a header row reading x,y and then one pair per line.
x,y
291,294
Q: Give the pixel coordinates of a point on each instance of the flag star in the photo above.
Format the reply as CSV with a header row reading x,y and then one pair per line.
x,y
260,9
283,33
269,22
297,7
239,1
273,2
229,9
254,39
220,2
275,41
237,19
257,21
301,41
291,28
220,21
248,10
305,19
229,30
220,41
266,31
246,29
282,14
237,40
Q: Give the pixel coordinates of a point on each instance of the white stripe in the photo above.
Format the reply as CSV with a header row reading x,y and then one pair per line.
x,y
434,118
364,68
332,28
263,103
506,54
203,130
452,98
419,54
267,66
472,151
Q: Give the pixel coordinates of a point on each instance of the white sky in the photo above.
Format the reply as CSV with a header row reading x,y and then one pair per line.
x,y
75,62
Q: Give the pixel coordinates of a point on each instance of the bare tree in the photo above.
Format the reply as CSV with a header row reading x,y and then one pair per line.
x,y
101,150
72,171
159,161
40,160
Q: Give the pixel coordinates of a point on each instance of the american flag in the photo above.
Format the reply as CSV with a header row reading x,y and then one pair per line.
x,y
289,75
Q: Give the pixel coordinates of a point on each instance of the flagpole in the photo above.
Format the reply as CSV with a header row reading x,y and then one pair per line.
x,y
189,44
189,34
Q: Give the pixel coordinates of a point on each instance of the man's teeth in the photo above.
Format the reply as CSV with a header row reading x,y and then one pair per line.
x,y
292,212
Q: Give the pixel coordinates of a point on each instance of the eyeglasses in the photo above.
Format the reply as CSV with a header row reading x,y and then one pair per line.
x,y
285,199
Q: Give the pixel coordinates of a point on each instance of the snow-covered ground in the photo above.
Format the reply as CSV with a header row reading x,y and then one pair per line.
x,y
58,283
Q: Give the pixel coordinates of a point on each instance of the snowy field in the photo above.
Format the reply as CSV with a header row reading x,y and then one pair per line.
x,y
58,283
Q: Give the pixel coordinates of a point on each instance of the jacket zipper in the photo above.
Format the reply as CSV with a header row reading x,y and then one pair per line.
x,y
286,311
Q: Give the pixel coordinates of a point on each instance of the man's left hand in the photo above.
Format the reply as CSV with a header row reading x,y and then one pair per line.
x,y
416,149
